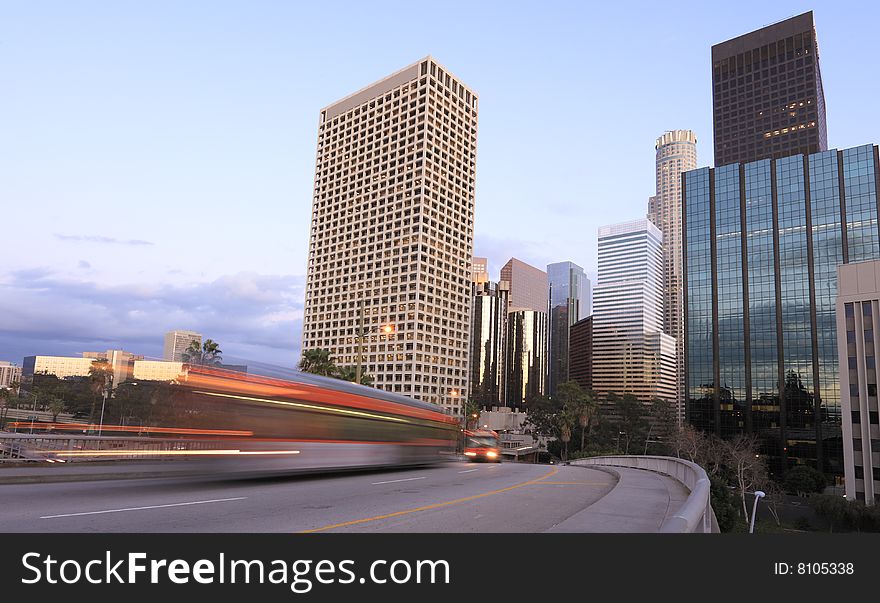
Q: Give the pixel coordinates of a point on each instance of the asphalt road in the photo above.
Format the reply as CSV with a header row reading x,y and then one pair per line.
x,y
453,497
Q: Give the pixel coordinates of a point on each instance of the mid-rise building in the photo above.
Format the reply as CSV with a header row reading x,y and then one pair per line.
x,y
858,339
156,370
676,153
488,343
569,290
528,285
119,361
527,346
762,244
580,353
631,353
9,374
62,367
480,270
767,93
177,343
391,238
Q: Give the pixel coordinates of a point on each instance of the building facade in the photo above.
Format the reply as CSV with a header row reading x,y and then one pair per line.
x,y
488,343
676,153
9,374
480,270
569,291
528,285
580,353
858,302
762,244
767,93
121,363
391,238
631,353
527,346
156,370
62,367
177,343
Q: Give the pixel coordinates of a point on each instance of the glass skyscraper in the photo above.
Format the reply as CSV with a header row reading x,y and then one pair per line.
x,y
762,244
526,356
488,342
569,303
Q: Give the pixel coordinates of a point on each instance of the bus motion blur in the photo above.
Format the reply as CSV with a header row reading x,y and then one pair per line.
x,y
482,445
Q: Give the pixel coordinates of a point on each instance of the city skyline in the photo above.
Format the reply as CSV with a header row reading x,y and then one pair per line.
x,y
116,276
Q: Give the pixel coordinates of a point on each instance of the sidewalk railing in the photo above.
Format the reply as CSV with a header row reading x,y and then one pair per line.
x,y
696,514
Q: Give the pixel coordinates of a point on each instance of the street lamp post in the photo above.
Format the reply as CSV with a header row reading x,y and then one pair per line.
x,y
758,496
107,386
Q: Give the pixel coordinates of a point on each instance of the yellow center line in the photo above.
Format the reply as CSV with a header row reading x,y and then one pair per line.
x,y
429,507
571,484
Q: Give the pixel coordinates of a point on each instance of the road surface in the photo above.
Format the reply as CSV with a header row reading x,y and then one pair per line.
x,y
453,497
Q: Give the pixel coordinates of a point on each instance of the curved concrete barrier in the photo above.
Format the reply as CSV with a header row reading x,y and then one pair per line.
x,y
696,514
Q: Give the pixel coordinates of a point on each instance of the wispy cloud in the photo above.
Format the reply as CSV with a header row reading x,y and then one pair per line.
x,y
255,316
101,239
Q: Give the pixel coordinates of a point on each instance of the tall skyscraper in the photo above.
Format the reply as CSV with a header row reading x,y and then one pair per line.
x,y
488,343
480,270
580,353
526,356
528,285
569,287
631,353
762,244
177,342
676,154
767,93
858,302
391,238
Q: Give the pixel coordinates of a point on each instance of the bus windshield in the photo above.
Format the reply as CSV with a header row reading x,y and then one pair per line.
x,y
482,442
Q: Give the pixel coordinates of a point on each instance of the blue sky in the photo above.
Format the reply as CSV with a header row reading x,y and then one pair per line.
x,y
156,158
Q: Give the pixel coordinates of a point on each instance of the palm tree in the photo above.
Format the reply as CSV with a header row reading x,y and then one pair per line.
x,y
208,354
579,404
348,373
100,380
318,362
565,421
56,407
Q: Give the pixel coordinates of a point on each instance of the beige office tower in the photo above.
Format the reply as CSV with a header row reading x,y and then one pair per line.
x,y
676,153
480,270
529,286
177,342
391,238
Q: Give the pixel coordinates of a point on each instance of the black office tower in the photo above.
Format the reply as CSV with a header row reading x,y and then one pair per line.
x,y
767,93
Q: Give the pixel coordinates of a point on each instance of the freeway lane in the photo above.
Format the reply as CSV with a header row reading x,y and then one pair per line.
x,y
453,497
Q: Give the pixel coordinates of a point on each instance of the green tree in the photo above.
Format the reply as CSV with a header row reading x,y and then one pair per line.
x,y
802,479
722,504
471,412
579,404
541,414
349,373
208,354
56,407
318,362
632,420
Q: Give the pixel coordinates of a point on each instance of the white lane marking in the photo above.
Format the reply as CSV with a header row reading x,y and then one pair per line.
x,y
468,471
391,481
183,504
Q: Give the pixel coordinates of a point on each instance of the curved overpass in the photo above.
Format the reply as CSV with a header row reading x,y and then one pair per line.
x,y
452,497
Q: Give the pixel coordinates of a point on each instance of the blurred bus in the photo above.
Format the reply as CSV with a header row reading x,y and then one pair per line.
x,y
482,445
